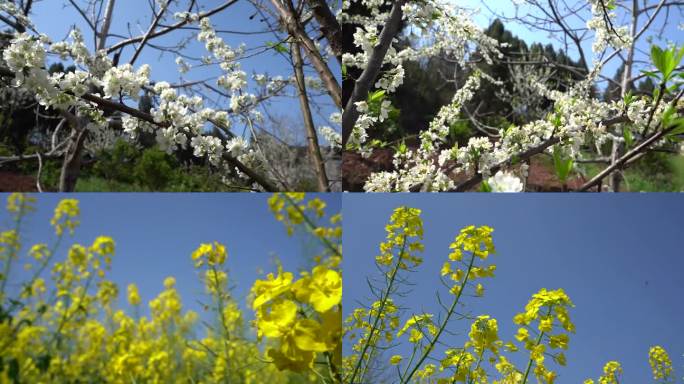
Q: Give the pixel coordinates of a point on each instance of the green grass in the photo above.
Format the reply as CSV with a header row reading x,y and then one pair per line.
x,y
99,184
656,172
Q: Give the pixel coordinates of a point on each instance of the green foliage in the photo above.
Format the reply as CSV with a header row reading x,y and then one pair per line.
x,y
154,169
666,60
655,172
125,167
197,178
388,130
627,134
117,163
562,164
460,132
98,184
278,47
485,187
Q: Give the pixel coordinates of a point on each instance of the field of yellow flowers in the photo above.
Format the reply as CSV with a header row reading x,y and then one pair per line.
x,y
62,325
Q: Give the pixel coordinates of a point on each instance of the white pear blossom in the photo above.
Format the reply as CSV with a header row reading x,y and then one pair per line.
x,y
123,80
183,66
505,182
237,146
331,136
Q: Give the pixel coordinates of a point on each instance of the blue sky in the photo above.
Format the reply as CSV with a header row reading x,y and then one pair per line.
x,y
671,33
54,19
618,257
155,235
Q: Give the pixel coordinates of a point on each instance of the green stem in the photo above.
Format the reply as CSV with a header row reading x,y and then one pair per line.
x,y
332,369
479,361
11,255
442,327
408,365
219,302
529,363
383,301
312,226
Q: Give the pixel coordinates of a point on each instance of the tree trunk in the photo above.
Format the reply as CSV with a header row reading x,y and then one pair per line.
x,y
615,178
312,137
71,165
106,25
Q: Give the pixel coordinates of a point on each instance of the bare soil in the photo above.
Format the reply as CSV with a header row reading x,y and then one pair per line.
x,y
13,182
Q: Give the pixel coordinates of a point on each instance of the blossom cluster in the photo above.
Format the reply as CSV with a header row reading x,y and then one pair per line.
x,y
301,318
179,122
603,23
451,31
576,120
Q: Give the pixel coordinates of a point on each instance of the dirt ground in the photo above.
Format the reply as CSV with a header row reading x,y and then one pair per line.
x,y
12,182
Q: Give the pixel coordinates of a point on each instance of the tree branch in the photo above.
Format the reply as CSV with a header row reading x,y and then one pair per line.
x,y
296,30
108,104
164,31
363,84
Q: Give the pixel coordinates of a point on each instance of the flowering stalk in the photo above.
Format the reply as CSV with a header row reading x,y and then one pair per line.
x,y
384,297
445,322
537,343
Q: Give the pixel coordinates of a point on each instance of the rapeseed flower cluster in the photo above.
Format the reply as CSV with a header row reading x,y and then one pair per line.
x,y
660,362
549,309
301,318
375,330
404,236
62,324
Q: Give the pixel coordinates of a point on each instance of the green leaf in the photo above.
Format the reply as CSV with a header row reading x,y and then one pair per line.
x,y
666,60
629,97
278,47
679,124
376,96
402,148
667,116
651,74
678,55
673,87
485,187
657,57
563,166
344,71
627,134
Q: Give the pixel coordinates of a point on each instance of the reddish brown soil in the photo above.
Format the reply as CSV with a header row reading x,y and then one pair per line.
x,y
543,179
356,169
12,182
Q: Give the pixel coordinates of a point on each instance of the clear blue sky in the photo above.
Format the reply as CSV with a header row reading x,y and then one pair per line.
x,y
155,235
132,17
619,258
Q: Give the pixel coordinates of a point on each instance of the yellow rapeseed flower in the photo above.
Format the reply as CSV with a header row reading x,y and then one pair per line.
x,y
660,362
322,288
66,216
266,290
133,295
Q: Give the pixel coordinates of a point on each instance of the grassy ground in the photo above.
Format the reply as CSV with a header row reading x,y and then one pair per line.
x,y
656,172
